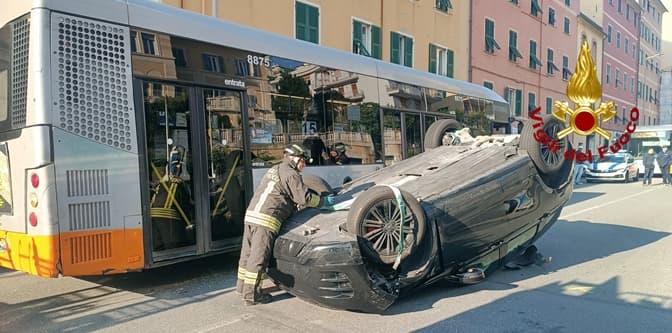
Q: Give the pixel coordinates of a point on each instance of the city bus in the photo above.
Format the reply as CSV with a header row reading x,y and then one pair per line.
x,y
645,137
132,134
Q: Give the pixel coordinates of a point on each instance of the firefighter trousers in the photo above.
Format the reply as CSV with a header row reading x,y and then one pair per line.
x,y
254,257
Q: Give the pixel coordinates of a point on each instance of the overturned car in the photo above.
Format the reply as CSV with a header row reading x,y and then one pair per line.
x,y
457,211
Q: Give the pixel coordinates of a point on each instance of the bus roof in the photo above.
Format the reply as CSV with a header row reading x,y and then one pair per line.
x,y
154,16
651,128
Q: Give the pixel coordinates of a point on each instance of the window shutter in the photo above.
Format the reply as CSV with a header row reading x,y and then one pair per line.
x,y
206,63
519,101
220,60
375,42
451,59
313,24
394,48
408,52
301,23
356,36
432,58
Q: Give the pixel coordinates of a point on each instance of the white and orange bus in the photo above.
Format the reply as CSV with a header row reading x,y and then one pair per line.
x,y
131,133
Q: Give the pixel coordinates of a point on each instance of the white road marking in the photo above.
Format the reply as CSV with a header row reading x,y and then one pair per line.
x,y
606,204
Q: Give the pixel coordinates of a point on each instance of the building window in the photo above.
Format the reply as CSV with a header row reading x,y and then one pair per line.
x,y
515,99
550,65
568,3
148,43
534,61
180,58
549,105
620,6
213,63
618,40
157,89
608,74
490,42
514,54
625,81
489,85
551,16
443,5
609,33
515,2
531,101
617,76
627,45
242,67
401,49
627,12
134,40
535,9
441,60
566,73
366,39
307,22
567,25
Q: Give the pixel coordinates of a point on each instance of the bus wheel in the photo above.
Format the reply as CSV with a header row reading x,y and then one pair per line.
x,y
375,218
437,130
317,184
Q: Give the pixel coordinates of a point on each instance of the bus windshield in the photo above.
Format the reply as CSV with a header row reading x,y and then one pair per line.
x,y
644,139
5,43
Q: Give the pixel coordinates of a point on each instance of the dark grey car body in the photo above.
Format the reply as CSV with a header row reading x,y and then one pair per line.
x,y
483,205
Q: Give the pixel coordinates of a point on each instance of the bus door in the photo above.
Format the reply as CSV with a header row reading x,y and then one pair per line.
x,y
174,222
228,171
403,135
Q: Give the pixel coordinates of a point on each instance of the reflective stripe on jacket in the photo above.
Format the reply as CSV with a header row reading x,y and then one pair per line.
x,y
280,191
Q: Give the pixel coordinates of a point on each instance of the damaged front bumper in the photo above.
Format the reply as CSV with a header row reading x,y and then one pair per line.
x,y
330,274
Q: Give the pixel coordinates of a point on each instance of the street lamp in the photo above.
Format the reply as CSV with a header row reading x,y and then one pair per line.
x,y
653,56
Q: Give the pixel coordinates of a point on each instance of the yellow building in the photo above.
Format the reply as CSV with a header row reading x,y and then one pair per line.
x,y
428,35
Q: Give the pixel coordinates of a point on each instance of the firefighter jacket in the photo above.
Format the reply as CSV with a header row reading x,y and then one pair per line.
x,y
279,193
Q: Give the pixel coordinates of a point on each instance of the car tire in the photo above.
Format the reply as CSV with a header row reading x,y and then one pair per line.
x,y
436,131
317,184
626,179
376,238
553,168
636,179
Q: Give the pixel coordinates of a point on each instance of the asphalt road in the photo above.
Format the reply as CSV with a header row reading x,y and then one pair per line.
x,y
611,271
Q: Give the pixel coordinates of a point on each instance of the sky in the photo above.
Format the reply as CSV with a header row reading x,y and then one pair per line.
x,y
666,58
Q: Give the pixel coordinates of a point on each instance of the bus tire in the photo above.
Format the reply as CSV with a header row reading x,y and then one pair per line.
x,y
317,184
376,240
436,131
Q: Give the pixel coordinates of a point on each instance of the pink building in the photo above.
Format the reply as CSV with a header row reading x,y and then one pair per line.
x,y
525,50
619,63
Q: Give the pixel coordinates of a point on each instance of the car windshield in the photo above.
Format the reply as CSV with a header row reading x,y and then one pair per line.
x,y
612,159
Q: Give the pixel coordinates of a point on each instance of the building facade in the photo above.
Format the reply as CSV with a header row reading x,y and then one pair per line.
x,y
650,41
619,66
525,50
409,33
666,96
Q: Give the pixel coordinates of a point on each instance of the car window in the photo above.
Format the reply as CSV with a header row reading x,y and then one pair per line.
x,y
612,159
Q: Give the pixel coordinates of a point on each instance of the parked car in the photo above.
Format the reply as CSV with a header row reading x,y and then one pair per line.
x,y
462,210
613,167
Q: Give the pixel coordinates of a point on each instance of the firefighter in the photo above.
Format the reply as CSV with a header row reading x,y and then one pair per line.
x,y
278,195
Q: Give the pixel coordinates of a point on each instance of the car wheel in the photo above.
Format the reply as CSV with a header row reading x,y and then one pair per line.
x,y
627,177
636,178
437,130
317,184
552,165
375,219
